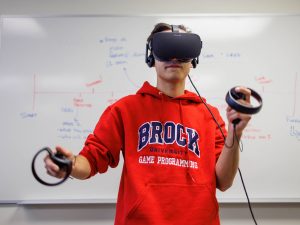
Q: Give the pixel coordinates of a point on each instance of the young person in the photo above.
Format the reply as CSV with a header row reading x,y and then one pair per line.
x,y
175,156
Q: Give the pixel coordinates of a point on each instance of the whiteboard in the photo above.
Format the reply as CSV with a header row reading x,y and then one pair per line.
x,y
58,74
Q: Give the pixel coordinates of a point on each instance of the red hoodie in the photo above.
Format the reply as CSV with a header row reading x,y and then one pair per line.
x,y
170,147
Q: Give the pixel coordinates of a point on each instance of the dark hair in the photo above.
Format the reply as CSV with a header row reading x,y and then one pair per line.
x,y
163,27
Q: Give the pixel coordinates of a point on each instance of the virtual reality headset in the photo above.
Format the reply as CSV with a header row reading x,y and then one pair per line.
x,y
166,46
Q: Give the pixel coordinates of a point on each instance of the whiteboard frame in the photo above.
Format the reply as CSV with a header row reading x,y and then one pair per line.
x,y
110,200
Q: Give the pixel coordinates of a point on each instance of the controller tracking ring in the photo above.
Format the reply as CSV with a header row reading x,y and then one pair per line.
x,y
59,160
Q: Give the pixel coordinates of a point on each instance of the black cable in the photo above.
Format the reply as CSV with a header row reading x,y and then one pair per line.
x,y
249,204
211,113
240,143
235,137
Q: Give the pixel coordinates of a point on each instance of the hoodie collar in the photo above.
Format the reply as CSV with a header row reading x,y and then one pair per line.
x,y
148,89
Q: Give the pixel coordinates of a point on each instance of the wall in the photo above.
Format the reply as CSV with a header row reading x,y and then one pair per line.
x,y
42,7
90,214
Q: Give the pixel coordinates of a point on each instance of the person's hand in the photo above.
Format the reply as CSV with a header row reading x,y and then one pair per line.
x,y
52,168
233,114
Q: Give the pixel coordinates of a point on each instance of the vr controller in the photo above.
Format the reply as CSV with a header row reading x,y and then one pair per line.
x,y
232,98
59,159
165,46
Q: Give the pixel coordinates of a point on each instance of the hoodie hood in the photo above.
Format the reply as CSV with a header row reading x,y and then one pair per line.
x,y
148,89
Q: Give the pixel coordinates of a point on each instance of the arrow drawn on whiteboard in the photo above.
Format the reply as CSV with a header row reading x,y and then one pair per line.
x,y
128,78
263,81
93,83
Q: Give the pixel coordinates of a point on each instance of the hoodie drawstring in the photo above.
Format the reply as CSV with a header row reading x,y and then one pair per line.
x,y
162,112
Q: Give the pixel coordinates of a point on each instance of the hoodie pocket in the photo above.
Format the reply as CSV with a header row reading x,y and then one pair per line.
x,y
174,204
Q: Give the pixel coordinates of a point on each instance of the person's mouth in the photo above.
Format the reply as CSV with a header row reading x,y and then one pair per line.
x,y
174,65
